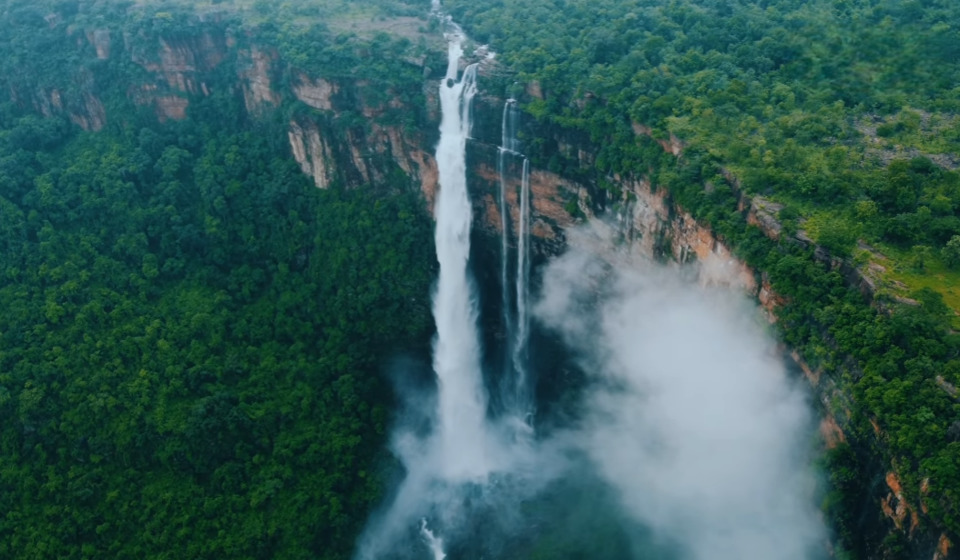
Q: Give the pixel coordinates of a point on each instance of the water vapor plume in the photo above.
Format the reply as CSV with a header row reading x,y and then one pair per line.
x,y
689,413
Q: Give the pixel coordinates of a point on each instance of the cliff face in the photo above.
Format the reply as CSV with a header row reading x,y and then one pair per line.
x,y
385,142
549,195
170,72
336,133
646,217
356,155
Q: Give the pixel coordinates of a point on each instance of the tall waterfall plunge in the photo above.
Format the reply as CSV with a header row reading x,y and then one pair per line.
x,y
456,360
464,448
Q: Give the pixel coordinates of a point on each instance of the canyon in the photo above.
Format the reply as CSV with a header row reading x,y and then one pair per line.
x,y
342,133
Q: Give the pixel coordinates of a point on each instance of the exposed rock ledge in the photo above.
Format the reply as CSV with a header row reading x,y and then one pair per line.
x,y
315,93
311,152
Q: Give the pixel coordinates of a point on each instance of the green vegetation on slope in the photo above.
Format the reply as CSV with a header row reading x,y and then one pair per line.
x,y
190,334
805,102
191,340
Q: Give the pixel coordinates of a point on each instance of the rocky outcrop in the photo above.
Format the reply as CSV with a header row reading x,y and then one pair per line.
x,y
173,71
92,116
101,41
315,93
428,175
172,107
943,548
672,144
84,109
180,65
549,195
328,140
896,507
831,433
354,155
534,90
327,144
763,214
311,152
257,86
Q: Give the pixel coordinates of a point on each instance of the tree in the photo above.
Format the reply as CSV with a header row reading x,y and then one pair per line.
x,y
838,236
951,252
920,257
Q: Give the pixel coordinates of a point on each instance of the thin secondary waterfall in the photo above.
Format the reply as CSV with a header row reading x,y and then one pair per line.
x,y
507,149
516,322
456,360
508,137
523,288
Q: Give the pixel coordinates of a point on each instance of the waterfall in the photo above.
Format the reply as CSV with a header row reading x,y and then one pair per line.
x,y
456,359
465,450
507,149
508,136
516,323
523,287
650,431
460,452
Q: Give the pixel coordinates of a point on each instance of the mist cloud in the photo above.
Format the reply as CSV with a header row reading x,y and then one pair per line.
x,y
690,415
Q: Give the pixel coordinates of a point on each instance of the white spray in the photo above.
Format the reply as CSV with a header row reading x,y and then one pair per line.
x,y
434,543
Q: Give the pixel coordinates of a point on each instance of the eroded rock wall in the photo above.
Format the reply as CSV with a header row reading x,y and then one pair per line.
x,y
336,132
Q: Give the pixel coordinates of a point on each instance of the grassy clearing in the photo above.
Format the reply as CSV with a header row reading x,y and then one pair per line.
x,y
902,277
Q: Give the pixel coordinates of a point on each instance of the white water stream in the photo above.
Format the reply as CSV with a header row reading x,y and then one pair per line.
x,y
462,400
461,450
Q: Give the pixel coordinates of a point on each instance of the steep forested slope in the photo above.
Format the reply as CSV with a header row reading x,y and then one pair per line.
x,y
190,343
806,101
840,121
192,336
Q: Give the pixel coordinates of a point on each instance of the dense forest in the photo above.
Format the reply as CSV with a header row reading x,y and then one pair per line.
x,y
191,341
835,108
193,337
